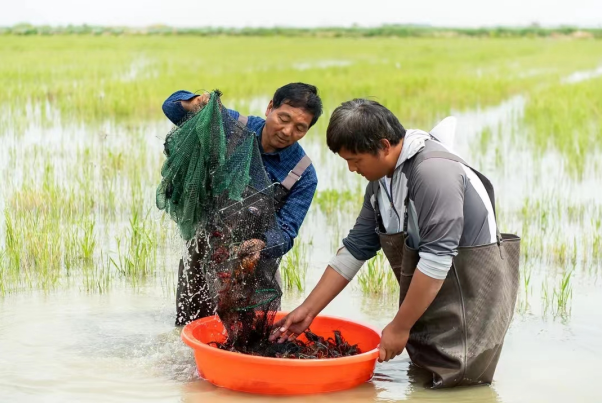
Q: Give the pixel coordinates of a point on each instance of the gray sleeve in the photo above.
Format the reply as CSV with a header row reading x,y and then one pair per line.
x,y
437,193
345,264
362,241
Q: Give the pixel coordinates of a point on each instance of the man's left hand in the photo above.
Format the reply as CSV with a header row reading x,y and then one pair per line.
x,y
250,252
250,246
392,342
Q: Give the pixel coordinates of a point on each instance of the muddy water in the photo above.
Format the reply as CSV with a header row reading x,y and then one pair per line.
x,y
69,346
122,347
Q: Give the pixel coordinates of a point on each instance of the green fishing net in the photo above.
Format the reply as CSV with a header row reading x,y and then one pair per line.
x,y
202,165
214,186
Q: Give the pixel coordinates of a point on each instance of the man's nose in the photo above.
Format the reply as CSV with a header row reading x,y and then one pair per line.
x,y
352,167
287,130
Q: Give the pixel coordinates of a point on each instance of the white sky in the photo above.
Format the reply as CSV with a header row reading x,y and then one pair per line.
x,y
302,13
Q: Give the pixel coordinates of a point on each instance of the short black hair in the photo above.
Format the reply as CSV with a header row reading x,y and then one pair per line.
x,y
299,95
359,126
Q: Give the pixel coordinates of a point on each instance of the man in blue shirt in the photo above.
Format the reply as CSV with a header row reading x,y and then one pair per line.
x,y
293,110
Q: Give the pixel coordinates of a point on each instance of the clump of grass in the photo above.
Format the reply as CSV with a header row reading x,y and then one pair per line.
x,y
560,298
377,278
334,201
567,118
294,267
597,240
527,287
136,251
87,241
545,297
97,278
563,295
3,271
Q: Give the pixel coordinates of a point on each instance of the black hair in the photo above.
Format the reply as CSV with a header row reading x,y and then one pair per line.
x,y
359,126
299,95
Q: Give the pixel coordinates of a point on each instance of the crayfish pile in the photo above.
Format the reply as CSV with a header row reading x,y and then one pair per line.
x,y
314,348
240,292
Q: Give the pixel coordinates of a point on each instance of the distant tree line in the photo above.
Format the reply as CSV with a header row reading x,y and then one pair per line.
x,y
332,32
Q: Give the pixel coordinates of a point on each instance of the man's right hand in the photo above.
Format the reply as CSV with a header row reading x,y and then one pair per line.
x,y
196,103
296,322
292,325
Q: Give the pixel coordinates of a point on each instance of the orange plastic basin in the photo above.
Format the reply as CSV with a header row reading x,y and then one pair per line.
x,y
284,376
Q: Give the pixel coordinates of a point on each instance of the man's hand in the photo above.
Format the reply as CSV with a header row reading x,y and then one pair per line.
x,y
392,342
196,103
292,325
423,290
251,246
250,253
296,322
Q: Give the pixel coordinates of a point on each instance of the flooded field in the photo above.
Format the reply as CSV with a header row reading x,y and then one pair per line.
x,y
88,264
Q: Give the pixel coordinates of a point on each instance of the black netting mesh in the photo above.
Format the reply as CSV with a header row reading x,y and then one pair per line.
x,y
216,189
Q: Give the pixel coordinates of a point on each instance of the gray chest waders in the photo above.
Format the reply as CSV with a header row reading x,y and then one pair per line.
x,y
460,336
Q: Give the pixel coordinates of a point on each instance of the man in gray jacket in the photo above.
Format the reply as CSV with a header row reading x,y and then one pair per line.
x,y
434,217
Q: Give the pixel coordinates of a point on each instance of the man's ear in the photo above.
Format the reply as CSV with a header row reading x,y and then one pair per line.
x,y
269,108
385,146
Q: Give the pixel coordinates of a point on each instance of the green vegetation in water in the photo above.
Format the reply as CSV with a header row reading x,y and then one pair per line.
x,y
377,278
127,79
568,118
293,268
334,201
77,212
137,259
559,299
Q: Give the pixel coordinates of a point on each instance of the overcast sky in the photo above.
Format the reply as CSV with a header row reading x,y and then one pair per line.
x,y
303,13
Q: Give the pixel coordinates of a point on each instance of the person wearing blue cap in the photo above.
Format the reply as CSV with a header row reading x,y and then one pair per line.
x,y
289,115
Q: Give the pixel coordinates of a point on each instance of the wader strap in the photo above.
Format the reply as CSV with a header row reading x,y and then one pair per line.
x,y
295,174
380,226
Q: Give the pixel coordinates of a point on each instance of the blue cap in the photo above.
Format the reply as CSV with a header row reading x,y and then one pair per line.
x,y
172,107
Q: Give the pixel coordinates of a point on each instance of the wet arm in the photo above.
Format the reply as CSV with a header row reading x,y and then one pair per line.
x,y
423,290
330,285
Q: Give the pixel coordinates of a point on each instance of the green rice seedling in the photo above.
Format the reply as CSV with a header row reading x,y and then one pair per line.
x,y
597,247
71,248
294,267
138,256
563,295
485,140
3,272
527,287
574,253
87,241
377,278
545,297
559,252
333,201
526,277
596,239
13,244
97,278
